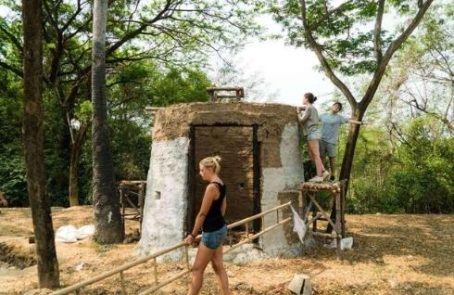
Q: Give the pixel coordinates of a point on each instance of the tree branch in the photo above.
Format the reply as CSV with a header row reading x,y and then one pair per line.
x,y
57,53
85,24
161,15
414,103
12,69
131,15
49,11
326,67
13,38
329,13
73,16
377,31
381,67
400,136
445,65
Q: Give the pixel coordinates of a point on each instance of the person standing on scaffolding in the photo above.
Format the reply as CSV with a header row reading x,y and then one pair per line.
x,y
309,121
214,230
330,132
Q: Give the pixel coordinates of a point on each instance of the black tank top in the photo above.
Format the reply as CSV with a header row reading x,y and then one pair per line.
x,y
214,219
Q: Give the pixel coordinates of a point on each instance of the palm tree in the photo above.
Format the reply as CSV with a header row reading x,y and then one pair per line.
x,y
108,223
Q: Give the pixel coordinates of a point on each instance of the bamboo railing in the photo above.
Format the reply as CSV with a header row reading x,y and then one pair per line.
x,y
120,270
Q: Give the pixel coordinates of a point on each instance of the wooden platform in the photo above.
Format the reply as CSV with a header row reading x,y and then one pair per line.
x,y
311,206
132,194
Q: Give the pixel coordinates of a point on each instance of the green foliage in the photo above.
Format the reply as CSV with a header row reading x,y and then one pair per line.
x,y
425,181
84,111
12,176
418,178
136,86
179,85
345,33
153,53
86,173
372,160
12,166
131,150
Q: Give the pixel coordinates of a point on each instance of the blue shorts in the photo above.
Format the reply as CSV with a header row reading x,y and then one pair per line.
x,y
215,238
327,149
314,134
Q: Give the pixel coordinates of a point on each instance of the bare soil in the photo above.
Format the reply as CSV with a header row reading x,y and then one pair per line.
x,y
392,254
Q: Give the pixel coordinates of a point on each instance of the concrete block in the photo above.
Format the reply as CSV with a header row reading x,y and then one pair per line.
x,y
300,285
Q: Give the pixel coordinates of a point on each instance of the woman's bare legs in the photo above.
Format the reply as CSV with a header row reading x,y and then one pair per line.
x,y
218,266
204,255
315,155
309,151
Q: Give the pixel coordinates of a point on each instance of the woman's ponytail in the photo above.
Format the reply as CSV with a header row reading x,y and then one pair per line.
x,y
212,162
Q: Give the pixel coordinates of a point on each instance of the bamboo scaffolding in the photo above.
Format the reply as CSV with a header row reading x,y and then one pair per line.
x,y
337,192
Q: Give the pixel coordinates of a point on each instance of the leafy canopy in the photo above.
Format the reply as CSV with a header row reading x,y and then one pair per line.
x,y
344,31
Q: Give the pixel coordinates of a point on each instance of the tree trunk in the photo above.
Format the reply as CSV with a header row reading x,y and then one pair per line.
x,y
347,162
48,274
74,179
352,138
109,226
76,148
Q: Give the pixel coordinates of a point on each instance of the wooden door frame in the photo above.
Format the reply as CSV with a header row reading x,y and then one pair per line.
x,y
256,188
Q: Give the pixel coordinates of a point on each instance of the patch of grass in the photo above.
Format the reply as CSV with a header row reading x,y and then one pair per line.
x,y
102,249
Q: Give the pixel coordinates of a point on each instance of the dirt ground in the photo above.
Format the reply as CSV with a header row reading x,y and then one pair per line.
x,y
392,254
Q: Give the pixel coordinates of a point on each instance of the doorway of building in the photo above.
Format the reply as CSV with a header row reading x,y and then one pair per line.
x,y
240,152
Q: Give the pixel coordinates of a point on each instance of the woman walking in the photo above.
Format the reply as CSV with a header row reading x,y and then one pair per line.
x,y
214,230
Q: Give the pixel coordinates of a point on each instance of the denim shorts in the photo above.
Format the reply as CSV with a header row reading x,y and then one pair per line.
x,y
313,134
215,238
327,149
